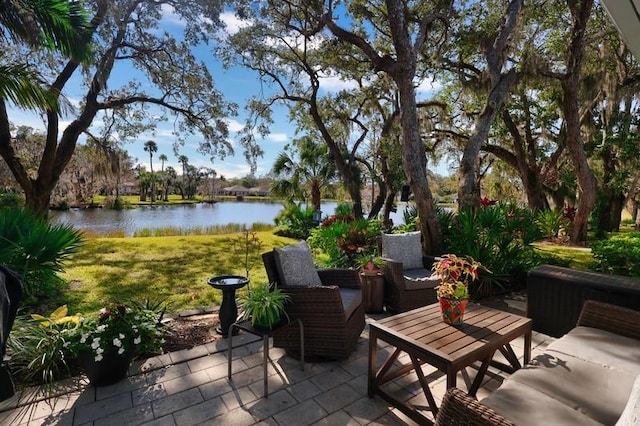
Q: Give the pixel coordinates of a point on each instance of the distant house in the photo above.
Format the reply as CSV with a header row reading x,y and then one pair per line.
x,y
259,192
236,190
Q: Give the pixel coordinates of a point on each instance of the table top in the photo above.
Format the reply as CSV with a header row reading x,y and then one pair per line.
x,y
424,333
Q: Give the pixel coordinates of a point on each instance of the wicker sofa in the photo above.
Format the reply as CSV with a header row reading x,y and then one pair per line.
x,y
589,376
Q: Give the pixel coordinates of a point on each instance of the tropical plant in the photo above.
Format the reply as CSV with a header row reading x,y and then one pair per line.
x,y
551,222
370,263
294,221
36,250
455,273
498,236
264,306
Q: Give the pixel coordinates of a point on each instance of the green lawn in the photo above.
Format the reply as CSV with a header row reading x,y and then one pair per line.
x,y
579,258
174,269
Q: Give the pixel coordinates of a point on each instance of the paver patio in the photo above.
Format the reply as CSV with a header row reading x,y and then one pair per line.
x,y
190,387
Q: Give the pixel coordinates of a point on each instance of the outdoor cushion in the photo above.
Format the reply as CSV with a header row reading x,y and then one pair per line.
x,y
631,414
596,391
526,406
295,266
419,279
600,346
351,300
405,248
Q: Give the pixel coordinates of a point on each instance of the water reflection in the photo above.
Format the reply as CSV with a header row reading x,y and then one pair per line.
x,y
102,221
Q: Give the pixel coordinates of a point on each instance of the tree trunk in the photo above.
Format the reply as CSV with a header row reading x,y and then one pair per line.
x,y
315,195
571,94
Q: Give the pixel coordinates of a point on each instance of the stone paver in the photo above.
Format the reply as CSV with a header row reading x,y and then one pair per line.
x,y
191,387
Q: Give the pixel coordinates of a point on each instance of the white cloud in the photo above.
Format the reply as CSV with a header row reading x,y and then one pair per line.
x,y
335,84
232,23
428,86
169,15
234,125
278,137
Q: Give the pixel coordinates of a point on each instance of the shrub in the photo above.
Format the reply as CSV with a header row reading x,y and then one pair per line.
x,y
36,250
499,236
619,254
551,222
295,222
344,239
11,200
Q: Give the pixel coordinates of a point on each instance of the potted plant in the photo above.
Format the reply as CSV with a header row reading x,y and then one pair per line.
x,y
264,306
370,265
106,343
455,274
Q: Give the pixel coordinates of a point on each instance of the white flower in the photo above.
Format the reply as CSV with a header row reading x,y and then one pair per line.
x,y
103,311
101,328
120,351
96,343
121,336
117,342
66,344
137,340
98,357
83,338
99,350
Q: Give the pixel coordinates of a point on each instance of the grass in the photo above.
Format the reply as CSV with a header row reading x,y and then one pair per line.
x,y
578,257
174,269
134,200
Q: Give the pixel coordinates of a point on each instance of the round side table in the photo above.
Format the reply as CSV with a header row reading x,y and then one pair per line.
x,y
228,309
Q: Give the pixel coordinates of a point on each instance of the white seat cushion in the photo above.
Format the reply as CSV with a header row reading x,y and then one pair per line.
x,y
631,414
419,279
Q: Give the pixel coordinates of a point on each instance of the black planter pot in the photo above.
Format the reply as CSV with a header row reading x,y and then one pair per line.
x,y
111,369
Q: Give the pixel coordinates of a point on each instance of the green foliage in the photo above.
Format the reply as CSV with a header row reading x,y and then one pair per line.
x,y
619,254
264,305
36,250
344,239
500,237
229,228
551,222
38,353
11,200
294,221
116,203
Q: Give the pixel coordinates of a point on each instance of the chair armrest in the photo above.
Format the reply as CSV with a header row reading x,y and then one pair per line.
x,y
612,318
315,306
393,273
343,278
459,409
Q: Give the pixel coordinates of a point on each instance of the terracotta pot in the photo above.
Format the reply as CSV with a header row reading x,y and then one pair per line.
x,y
453,310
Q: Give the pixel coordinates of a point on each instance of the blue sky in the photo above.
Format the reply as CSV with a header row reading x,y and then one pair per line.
x,y
237,85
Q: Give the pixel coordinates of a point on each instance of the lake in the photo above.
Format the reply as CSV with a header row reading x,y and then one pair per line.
x,y
186,216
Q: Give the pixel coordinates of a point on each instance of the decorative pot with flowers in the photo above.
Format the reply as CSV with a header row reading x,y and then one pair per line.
x,y
370,265
455,274
105,344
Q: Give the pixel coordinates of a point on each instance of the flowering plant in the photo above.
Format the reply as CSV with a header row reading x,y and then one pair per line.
x,y
117,328
455,274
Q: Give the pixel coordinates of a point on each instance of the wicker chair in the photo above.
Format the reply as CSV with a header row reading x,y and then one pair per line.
x,y
328,333
407,288
460,409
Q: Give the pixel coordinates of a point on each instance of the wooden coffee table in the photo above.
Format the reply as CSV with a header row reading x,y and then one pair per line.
x,y
423,335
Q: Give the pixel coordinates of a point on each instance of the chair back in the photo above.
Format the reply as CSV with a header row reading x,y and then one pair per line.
x,y
269,261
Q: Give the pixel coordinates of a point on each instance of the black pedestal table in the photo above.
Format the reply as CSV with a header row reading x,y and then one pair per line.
x,y
228,309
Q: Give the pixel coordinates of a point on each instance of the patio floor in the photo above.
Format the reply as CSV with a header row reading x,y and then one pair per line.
x,y
190,387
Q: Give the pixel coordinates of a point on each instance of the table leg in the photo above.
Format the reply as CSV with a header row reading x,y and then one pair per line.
x,y
527,348
373,352
265,361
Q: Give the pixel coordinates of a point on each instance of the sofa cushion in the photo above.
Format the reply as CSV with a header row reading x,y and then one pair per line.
x,y
419,279
526,406
405,248
351,300
597,391
601,347
295,266
631,414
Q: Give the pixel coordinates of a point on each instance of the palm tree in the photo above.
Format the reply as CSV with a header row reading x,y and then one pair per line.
x,y
151,147
184,161
162,158
53,24
305,175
